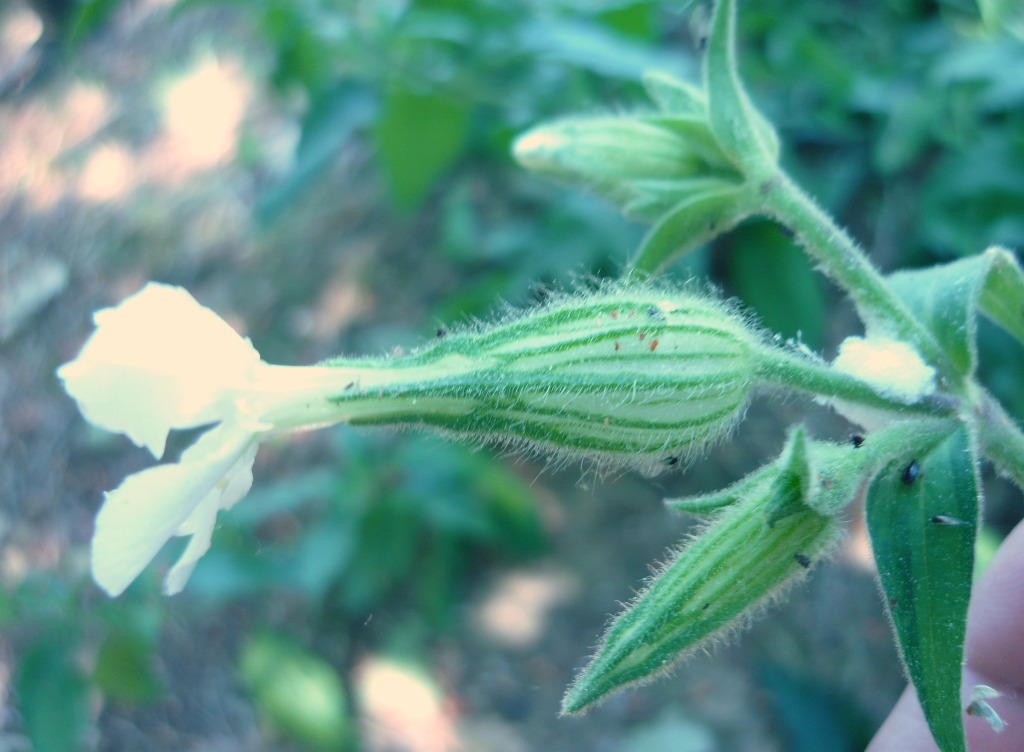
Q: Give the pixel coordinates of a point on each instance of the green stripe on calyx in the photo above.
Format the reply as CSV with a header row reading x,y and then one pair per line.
x,y
631,377
746,557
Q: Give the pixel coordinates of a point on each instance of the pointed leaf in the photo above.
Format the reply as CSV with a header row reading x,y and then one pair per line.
x,y
922,516
675,97
694,221
741,130
419,136
54,697
756,483
945,298
1002,295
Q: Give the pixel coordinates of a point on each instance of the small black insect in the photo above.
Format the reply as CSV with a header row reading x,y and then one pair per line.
x,y
671,461
441,332
945,519
910,473
803,560
857,440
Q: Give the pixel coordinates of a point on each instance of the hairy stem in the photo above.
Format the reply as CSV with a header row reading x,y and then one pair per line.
x,y
846,264
1001,439
802,373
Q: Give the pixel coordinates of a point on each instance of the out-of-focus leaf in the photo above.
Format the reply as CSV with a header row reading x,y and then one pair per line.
x,y
811,710
87,17
974,195
296,692
53,694
332,120
922,516
636,20
1004,14
124,668
993,66
772,276
908,130
419,136
590,47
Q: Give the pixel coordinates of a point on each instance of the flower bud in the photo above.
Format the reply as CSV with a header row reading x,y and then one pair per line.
x,y
638,378
644,164
740,563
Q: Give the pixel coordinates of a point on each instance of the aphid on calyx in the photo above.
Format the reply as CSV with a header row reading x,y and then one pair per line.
x,y
857,440
803,560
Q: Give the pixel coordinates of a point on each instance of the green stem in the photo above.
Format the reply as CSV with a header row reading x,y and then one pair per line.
x,y
842,260
791,371
1001,439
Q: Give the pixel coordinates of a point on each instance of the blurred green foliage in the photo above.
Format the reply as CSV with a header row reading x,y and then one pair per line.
x,y
298,693
393,520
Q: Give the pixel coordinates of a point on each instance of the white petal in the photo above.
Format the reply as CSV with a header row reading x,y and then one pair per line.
x,y
158,361
139,517
201,523
229,489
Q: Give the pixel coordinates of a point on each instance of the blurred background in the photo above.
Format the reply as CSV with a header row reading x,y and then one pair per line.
x,y
333,176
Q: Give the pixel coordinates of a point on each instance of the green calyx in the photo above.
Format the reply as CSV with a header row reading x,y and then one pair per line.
x,y
746,557
822,475
636,377
645,164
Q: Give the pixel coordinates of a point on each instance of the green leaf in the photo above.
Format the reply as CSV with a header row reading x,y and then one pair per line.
x,y
741,130
124,668
1002,295
675,97
695,220
53,697
332,119
298,693
736,565
771,275
419,136
945,298
922,516
87,17
756,483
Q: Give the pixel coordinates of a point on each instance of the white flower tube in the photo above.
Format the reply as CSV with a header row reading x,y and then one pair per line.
x,y
160,361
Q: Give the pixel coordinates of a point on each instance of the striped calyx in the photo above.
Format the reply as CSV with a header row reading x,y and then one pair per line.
x,y
624,377
646,164
711,586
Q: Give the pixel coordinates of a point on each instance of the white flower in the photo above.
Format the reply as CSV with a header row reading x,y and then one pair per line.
x,y
179,498
160,361
892,367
